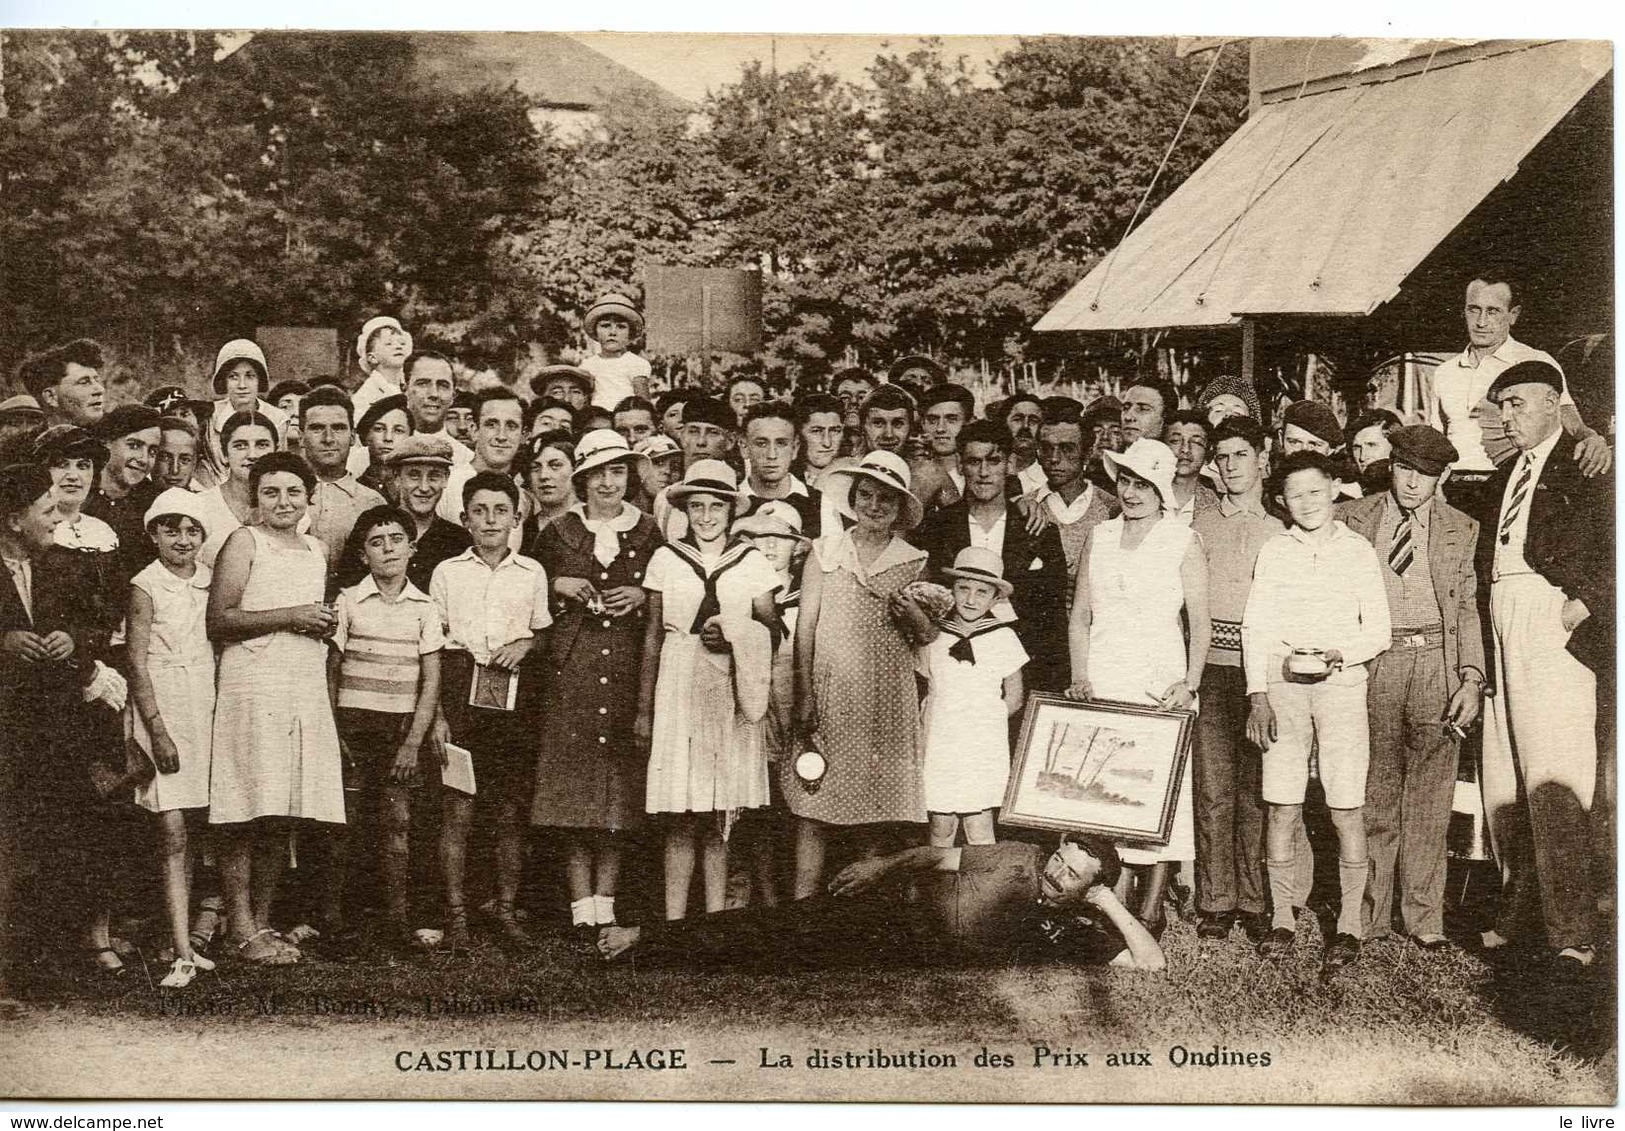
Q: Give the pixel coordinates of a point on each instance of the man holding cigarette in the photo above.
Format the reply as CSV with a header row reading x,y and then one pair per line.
x,y
1425,690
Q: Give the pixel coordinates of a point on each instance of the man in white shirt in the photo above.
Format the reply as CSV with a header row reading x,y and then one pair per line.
x,y
1317,613
382,347
325,431
944,410
499,426
1458,403
770,444
429,393
1023,415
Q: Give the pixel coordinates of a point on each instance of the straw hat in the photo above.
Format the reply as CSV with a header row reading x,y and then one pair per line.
x,y
658,446
981,564
886,468
705,477
774,518
612,303
1151,460
599,447
574,373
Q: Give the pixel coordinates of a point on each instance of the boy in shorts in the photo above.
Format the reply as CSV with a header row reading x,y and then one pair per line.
x,y
384,676
1316,615
493,607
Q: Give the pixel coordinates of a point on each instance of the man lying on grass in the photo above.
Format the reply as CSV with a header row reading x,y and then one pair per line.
x,y
1003,903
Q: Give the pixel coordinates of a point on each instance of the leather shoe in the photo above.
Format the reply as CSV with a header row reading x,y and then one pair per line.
x,y
1256,924
1343,951
1278,943
1215,924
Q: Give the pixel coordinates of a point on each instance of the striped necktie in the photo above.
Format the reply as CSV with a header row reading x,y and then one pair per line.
x,y
1520,492
1402,553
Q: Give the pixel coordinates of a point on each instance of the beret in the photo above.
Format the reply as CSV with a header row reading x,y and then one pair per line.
x,y
125,419
379,409
1526,373
1234,386
1422,448
1315,419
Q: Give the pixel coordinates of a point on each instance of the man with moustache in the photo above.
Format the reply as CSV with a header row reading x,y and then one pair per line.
x,y
325,434
851,387
1548,549
1023,415
1426,689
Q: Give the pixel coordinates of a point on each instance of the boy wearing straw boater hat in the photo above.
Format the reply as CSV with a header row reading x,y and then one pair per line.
x,y
614,322
974,667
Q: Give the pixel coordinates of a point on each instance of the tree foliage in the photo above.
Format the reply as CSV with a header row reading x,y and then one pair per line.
x,y
152,193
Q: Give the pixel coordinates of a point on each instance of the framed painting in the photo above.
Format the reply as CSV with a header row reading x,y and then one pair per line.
x,y
1112,769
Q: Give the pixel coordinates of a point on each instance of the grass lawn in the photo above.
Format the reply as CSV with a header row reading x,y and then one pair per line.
x,y
1402,1026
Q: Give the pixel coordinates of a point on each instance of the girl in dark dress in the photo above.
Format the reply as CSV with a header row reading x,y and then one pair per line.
x,y
589,773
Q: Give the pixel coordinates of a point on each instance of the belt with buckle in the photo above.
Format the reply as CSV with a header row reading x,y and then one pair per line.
x,y
1420,638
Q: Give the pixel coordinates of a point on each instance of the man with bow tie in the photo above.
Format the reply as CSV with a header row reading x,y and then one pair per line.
x,y
1426,689
1035,564
1547,547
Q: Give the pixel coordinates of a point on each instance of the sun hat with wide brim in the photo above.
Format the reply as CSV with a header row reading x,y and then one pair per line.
x,y
612,303
658,446
178,500
21,405
573,373
602,446
705,477
977,563
1151,460
240,349
886,468
774,518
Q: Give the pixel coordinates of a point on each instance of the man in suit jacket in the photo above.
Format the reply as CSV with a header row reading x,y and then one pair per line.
x,y
1427,689
1548,551
1034,563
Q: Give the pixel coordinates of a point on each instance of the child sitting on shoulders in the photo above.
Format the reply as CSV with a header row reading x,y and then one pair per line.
x,y
613,322
384,675
974,668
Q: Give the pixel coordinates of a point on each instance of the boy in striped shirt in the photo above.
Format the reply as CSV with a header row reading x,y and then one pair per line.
x,y
384,676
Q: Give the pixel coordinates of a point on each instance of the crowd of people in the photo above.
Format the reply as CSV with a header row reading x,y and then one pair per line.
x,y
425,641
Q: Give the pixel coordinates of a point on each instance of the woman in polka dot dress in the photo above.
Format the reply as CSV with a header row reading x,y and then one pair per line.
x,y
857,700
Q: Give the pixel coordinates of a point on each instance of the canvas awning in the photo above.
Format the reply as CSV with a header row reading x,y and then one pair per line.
x,y
1323,204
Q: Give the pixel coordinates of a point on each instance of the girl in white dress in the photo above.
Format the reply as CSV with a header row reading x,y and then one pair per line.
x,y
974,667
1135,575
276,749
706,674
247,436
172,701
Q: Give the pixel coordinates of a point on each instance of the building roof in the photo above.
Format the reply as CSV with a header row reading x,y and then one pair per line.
x,y
1325,203
551,70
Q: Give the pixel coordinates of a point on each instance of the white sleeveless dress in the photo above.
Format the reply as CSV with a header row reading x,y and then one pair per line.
x,y
1136,641
276,750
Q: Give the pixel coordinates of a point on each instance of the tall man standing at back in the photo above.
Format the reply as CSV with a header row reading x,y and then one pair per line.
x,y
1034,563
1548,548
325,432
1426,690
1459,405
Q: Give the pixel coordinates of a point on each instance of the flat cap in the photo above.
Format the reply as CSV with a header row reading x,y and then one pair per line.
x,y
1526,373
125,419
421,447
1315,419
709,410
1422,448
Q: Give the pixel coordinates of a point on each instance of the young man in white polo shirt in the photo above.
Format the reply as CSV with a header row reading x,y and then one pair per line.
x,y
1317,613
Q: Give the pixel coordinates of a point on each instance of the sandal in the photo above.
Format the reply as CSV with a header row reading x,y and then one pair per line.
x,y
269,949
181,973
